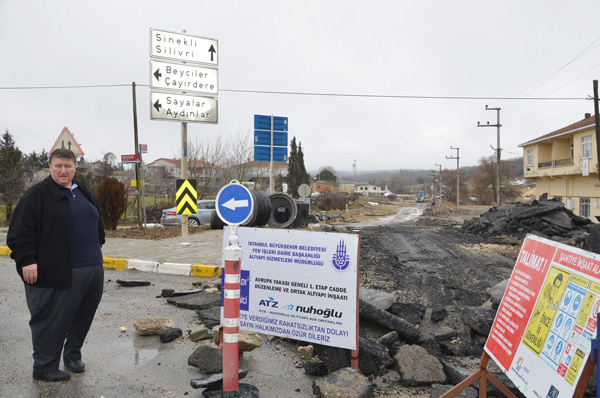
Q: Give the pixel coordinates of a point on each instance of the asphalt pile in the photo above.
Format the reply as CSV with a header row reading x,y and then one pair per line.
x,y
546,218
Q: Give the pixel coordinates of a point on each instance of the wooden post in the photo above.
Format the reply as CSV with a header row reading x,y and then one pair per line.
x,y
482,376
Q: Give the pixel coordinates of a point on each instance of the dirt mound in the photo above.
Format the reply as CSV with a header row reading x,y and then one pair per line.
x,y
548,218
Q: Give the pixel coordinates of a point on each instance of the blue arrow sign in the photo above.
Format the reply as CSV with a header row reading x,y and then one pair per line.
x,y
234,204
263,122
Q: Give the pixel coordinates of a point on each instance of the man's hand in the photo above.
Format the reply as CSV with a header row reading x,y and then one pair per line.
x,y
30,273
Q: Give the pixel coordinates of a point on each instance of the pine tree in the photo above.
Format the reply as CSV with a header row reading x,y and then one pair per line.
x,y
296,170
305,176
12,182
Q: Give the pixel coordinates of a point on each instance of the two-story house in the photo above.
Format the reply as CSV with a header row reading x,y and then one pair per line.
x,y
171,169
564,164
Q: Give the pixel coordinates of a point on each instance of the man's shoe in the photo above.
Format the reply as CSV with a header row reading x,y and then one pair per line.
x,y
76,366
57,375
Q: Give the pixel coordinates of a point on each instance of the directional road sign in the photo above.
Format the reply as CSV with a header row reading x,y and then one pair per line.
x,y
186,197
263,153
66,140
183,47
234,204
280,138
183,108
190,78
263,122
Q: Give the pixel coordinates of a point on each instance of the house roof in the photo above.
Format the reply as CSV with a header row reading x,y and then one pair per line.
x,y
265,164
177,163
587,121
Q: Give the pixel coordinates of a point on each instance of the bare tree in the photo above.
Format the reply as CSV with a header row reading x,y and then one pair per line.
x,y
108,165
239,154
449,186
484,181
205,163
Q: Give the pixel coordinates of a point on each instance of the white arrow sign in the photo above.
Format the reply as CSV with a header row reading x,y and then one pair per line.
x,y
190,78
234,204
183,47
183,108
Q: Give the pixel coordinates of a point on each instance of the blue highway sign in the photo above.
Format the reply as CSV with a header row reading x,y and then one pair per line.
x,y
263,154
234,204
280,138
263,122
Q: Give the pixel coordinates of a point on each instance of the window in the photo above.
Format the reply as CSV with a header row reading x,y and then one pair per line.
x,y
572,152
206,205
584,204
530,157
586,147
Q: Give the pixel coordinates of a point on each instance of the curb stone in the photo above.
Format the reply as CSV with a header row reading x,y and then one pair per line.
x,y
120,264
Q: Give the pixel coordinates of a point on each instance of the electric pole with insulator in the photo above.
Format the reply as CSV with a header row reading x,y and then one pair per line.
x,y
498,150
457,157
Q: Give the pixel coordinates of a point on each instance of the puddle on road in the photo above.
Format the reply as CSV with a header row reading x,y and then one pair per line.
x,y
405,214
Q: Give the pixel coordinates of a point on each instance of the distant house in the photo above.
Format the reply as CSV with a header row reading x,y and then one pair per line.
x,y
564,165
257,172
165,168
322,187
171,169
123,176
368,189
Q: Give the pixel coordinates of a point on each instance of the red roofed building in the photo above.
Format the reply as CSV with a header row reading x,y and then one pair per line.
x,y
564,165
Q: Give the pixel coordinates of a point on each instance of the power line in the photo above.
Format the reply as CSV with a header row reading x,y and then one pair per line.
x,y
311,93
398,96
65,87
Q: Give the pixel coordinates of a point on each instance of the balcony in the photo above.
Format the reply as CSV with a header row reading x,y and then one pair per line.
x,y
556,163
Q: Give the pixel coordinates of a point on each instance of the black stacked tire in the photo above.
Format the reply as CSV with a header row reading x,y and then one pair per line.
x,y
215,221
262,210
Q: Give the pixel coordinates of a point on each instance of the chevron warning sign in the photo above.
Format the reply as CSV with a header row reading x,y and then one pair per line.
x,y
186,197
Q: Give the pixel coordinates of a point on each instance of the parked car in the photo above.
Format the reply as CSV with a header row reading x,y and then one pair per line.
x,y
202,217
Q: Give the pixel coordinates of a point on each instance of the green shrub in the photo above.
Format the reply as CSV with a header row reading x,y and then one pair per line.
x,y
112,198
332,201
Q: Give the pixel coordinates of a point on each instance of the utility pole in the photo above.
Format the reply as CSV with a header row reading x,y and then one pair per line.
x,y
597,121
184,175
457,157
498,150
440,182
137,152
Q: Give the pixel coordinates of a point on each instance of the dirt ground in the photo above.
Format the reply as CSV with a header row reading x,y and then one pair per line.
x,y
427,262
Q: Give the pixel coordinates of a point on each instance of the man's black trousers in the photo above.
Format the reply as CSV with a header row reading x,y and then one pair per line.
x,y
62,317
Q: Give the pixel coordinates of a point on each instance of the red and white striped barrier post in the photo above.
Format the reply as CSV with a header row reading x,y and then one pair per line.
x,y
231,314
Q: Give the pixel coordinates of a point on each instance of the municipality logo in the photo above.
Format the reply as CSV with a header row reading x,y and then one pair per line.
x,y
341,259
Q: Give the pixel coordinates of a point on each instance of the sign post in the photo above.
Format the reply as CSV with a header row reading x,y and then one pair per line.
x,y
182,78
235,205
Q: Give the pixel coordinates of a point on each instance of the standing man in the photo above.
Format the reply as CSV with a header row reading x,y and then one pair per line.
x,y
55,235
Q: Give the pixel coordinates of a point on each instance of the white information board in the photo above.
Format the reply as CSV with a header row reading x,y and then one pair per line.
x,y
541,336
298,284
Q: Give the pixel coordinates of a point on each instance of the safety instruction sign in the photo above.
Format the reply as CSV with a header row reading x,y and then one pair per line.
x,y
541,336
298,284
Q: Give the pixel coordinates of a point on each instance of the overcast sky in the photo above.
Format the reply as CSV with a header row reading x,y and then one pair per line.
x,y
352,72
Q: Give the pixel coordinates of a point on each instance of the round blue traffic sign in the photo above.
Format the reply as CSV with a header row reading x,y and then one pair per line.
x,y
234,204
